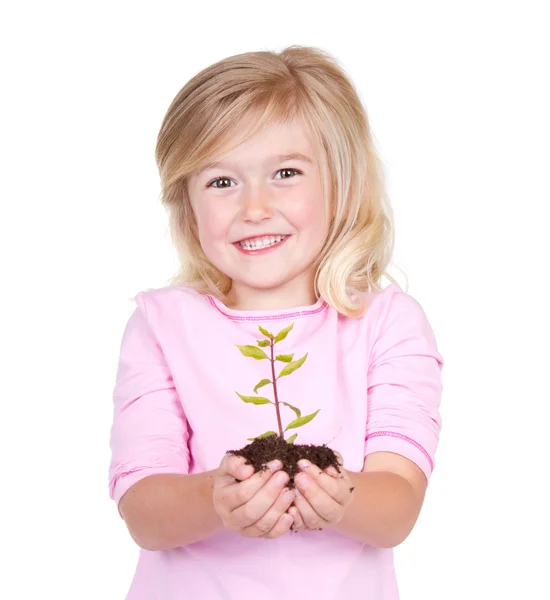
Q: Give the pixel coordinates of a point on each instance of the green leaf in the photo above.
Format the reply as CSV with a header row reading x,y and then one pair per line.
x,y
261,384
292,438
284,357
265,332
282,334
266,434
302,420
264,343
253,352
296,410
254,399
292,366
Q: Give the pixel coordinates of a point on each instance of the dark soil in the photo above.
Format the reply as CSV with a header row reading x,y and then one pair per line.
x,y
264,450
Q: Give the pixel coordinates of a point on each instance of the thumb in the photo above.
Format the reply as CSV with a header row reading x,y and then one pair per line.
x,y
234,467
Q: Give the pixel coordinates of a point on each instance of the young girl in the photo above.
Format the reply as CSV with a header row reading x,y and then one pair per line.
x,y
278,212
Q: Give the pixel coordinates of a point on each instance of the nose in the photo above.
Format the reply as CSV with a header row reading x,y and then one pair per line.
x,y
257,205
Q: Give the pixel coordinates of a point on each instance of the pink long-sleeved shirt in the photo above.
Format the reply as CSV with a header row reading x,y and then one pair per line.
x,y
376,379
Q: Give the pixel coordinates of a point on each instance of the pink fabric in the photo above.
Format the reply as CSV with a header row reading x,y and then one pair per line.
x,y
377,381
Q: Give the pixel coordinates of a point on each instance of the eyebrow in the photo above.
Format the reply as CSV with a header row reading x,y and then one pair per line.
x,y
270,159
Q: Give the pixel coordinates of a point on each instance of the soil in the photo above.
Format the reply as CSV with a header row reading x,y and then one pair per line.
x,y
263,450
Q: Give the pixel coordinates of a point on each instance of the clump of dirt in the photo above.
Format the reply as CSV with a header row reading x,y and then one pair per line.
x,y
264,450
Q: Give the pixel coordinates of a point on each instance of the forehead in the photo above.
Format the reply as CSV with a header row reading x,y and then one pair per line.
x,y
274,143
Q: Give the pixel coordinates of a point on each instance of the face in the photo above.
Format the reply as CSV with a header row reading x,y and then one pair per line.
x,y
261,217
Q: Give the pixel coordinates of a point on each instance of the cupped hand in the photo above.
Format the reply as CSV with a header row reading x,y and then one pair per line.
x,y
253,504
322,497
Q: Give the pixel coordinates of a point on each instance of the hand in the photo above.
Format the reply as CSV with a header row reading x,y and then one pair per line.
x,y
252,504
322,497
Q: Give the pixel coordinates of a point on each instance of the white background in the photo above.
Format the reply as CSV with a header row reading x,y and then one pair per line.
x,y
457,94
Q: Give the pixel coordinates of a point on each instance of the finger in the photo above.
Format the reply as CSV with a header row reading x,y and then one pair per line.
x,y
267,522
263,499
298,524
310,517
281,527
323,504
337,488
246,488
332,472
238,493
235,467
229,467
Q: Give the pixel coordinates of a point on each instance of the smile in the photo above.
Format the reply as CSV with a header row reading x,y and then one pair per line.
x,y
260,243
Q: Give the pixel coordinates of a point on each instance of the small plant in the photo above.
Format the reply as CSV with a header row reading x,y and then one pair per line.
x,y
272,445
291,365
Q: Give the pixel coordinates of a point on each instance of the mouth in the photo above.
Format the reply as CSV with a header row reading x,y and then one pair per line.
x,y
259,243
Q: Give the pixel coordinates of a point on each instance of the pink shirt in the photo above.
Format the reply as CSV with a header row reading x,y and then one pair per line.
x,y
377,381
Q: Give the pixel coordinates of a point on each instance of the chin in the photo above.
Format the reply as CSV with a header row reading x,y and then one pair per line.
x,y
264,283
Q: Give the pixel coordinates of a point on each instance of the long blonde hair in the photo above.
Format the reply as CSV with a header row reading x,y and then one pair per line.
x,y
298,82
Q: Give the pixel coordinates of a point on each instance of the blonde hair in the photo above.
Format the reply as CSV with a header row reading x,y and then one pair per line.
x,y
298,82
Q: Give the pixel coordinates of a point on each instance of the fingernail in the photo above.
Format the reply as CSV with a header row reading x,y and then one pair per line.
x,y
297,492
304,464
275,465
332,471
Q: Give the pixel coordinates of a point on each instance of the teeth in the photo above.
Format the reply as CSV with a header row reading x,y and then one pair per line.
x,y
261,242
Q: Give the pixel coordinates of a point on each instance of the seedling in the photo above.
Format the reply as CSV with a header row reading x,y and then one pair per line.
x,y
291,365
272,445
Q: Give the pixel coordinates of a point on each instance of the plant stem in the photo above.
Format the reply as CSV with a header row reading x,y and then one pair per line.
x,y
281,435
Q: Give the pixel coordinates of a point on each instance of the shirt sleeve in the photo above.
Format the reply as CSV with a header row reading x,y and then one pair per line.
x,y
149,432
404,384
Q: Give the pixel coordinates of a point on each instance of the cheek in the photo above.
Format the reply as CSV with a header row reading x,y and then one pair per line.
x,y
309,215
212,225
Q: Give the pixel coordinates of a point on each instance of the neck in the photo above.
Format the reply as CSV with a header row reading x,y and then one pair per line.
x,y
290,295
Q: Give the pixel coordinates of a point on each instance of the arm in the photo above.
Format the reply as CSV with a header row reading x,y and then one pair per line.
x,y
148,473
169,510
386,501
378,506
402,433
403,425
163,505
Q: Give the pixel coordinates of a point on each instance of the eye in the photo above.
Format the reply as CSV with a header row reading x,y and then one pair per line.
x,y
286,169
225,179
211,183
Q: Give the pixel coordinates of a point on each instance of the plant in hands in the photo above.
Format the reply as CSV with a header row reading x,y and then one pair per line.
x,y
320,493
271,445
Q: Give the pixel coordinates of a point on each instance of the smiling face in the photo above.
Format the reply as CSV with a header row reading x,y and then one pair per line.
x,y
261,217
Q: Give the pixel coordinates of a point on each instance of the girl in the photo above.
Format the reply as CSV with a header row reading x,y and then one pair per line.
x,y
278,212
